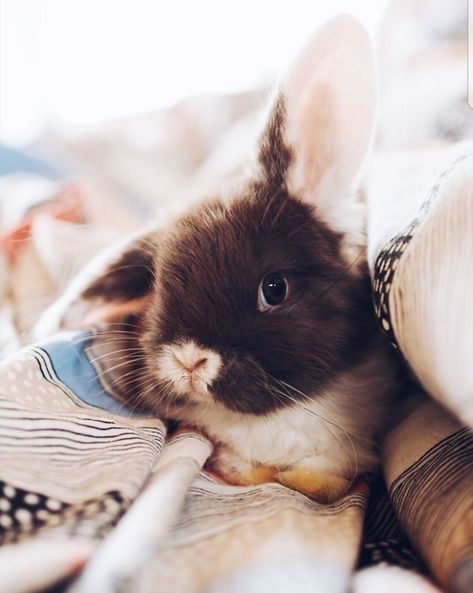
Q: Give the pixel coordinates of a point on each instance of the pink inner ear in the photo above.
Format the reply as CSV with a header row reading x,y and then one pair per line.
x,y
330,93
316,137
114,312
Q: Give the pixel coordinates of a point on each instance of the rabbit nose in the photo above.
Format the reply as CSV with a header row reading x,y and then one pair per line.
x,y
191,361
189,366
193,365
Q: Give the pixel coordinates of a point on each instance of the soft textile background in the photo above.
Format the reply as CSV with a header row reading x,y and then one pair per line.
x,y
83,479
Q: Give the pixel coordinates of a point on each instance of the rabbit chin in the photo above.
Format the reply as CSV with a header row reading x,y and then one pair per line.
x,y
332,432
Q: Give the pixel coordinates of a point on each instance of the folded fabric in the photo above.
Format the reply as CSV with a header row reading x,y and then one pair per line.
x,y
84,479
421,254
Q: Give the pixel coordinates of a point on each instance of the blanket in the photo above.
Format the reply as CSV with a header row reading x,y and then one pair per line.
x,y
87,481
96,497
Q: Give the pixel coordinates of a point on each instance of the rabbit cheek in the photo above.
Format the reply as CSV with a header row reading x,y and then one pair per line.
x,y
243,387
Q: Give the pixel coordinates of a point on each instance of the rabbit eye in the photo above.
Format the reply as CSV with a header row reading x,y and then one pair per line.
x,y
272,291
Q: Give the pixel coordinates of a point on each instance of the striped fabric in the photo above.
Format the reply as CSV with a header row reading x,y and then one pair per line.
x,y
439,485
65,463
83,481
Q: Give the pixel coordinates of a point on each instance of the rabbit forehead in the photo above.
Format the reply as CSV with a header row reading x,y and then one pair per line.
x,y
232,244
210,267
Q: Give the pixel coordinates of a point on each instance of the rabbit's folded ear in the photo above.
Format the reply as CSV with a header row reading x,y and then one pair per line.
x,y
128,275
124,285
326,109
113,286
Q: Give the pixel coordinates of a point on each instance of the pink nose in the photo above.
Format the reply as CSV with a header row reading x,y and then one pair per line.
x,y
191,364
194,365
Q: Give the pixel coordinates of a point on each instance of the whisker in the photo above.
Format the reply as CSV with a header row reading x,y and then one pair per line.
x,y
331,422
345,271
109,370
141,397
121,350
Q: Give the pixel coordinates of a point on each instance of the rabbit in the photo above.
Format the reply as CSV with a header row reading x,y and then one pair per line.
x,y
253,314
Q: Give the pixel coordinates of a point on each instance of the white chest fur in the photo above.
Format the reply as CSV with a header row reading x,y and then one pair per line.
x,y
334,431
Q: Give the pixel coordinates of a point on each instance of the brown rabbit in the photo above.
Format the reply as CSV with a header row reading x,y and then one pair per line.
x,y
253,310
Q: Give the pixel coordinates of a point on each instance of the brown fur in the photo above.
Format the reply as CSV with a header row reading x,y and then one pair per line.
x,y
277,388
203,280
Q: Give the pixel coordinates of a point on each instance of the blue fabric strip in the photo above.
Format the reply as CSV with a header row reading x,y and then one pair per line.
x,y
69,360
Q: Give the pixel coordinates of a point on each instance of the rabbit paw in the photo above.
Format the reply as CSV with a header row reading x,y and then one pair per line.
x,y
235,470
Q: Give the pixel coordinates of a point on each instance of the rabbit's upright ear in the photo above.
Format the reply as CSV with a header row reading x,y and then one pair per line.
x,y
113,286
325,111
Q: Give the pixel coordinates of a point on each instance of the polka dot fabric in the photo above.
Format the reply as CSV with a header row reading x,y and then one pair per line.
x,y
23,512
389,256
391,552
30,383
